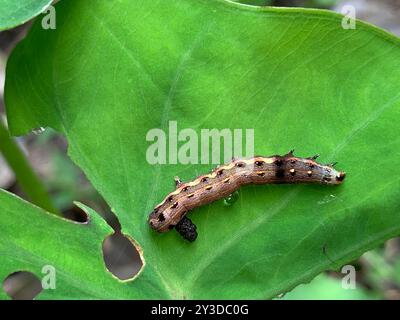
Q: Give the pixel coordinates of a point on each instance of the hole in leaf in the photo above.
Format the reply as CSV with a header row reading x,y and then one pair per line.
x,y
76,214
122,256
63,179
22,285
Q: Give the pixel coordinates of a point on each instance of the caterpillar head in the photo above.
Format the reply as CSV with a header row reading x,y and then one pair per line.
x,y
158,221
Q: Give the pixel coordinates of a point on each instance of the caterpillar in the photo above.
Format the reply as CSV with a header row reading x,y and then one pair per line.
x,y
226,179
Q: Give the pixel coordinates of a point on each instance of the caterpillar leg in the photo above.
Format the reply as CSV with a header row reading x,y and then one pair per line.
x,y
187,229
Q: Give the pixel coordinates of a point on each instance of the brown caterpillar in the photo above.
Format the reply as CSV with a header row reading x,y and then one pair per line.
x,y
226,179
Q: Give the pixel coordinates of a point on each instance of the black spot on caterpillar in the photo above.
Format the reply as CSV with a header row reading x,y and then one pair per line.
x,y
226,179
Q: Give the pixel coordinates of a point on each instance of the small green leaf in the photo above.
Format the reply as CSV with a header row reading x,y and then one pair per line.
x,y
110,72
32,240
14,13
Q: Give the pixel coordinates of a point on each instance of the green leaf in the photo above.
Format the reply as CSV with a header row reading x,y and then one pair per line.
x,y
31,239
14,13
111,72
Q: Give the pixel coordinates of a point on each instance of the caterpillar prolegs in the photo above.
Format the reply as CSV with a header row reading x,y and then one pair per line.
x,y
226,179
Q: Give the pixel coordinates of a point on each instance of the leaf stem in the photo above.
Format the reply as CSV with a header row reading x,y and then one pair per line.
x,y
26,177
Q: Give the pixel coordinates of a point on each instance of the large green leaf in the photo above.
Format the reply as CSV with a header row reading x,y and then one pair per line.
x,y
14,13
114,70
